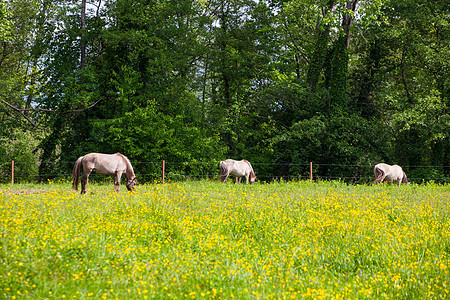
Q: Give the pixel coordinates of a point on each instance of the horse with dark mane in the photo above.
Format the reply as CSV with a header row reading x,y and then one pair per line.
x,y
238,168
391,173
105,164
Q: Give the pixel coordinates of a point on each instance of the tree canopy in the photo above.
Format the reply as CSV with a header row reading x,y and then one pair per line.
x,y
278,82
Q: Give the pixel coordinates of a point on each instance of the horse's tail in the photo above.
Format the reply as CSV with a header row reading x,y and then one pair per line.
x,y
76,173
378,174
223,171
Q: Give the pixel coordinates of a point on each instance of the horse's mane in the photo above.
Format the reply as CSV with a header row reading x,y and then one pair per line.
x,y
252,173
127,162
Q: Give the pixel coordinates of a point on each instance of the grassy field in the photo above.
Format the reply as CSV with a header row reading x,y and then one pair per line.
x,y
205,240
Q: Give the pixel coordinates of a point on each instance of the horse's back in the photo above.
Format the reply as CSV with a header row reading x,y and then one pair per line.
x,y
392,172
397,172
382,166
229,162
241,167
105,164
234,167
100,156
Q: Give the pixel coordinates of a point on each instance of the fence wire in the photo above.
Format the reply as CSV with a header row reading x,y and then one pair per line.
x,y
151,171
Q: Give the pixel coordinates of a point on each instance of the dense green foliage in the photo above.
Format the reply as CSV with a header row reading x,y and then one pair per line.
x,y
280,83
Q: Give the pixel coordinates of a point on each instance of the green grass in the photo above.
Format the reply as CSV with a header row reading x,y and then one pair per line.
x,y
205,240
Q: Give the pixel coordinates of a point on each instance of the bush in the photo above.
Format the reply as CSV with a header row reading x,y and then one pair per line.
x,y
422,174
20,146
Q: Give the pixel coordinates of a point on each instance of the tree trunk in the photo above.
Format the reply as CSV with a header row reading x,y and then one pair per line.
x,y
347,21
318,59
339,63
319,54
83,34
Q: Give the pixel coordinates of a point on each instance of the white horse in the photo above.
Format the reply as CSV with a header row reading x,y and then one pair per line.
x,y
105,164
238,168
391,173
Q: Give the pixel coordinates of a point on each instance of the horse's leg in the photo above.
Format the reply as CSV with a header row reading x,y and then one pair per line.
x,y
246,178
379,179
117,181
84,180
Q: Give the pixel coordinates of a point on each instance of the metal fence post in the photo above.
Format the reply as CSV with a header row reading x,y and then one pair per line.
x,y
163,169
12,172
310,171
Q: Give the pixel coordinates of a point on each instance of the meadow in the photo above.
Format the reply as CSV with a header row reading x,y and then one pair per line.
x,y
205,240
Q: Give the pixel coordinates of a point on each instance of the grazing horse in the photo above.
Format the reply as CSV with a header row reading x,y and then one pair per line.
x,y
238,168
391,173
105,164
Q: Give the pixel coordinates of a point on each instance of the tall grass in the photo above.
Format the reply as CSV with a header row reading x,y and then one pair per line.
x,y
205,240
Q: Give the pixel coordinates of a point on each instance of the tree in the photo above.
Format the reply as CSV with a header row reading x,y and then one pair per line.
x,y
405,92
280,81
18,80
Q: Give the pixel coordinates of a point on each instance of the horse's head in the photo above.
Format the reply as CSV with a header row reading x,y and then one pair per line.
x,y
131,183
252,175
405,179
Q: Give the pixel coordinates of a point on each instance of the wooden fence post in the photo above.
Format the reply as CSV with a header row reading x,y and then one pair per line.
x,y
310,171
163,169
12,172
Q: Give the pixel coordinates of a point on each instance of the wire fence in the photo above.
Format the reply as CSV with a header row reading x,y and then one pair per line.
x,y
153,171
